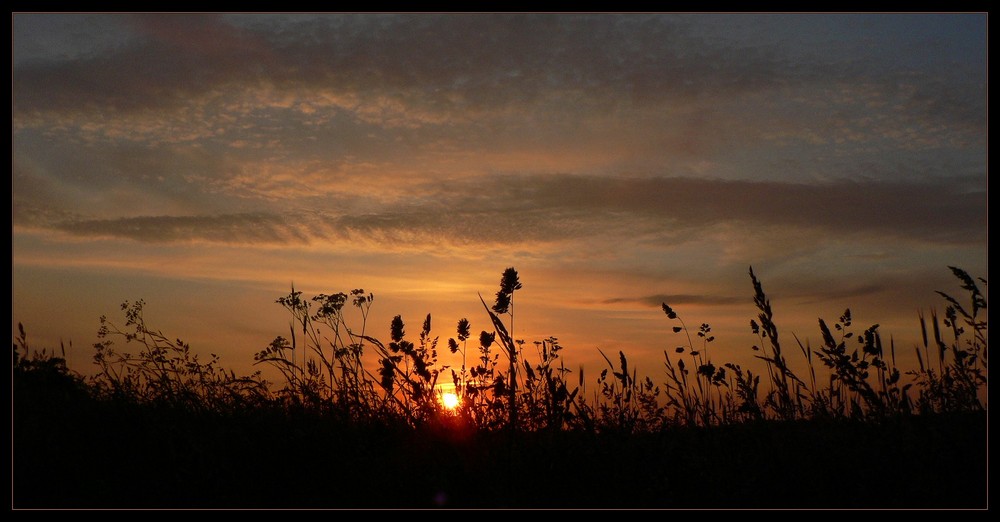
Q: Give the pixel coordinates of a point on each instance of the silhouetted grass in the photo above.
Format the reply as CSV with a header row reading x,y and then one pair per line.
x,y
163,428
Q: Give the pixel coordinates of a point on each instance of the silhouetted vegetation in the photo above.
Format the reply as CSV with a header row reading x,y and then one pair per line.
x,y
357,422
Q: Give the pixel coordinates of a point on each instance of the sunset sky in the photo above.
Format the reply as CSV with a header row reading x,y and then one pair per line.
x,y
206,162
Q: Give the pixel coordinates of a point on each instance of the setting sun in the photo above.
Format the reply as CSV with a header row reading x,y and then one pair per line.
x,y
450,400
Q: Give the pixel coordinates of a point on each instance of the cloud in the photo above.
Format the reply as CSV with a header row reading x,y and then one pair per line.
x,y
237,228
413,128
174,58
527,209
810,291
942,210
230,111
439,69
840,290
678,299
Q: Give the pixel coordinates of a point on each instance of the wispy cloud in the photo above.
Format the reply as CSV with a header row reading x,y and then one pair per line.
x,y
677,299
515,209
240,228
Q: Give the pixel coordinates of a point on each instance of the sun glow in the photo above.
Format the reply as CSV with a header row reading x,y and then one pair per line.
x,y
450,400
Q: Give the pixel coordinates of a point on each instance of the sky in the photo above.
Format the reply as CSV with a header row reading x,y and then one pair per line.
x,y
207,162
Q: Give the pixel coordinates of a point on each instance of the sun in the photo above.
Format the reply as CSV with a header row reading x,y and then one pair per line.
x,y
450,400
448,396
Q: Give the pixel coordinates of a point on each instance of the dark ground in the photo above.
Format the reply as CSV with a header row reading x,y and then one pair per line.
x,y
70,451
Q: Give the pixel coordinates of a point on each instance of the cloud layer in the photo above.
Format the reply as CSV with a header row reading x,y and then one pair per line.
x,y
513,209
619,160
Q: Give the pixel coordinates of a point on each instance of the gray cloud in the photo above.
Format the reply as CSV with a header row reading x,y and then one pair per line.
x,y
452,64
180,57
939,210
515,209
678,299
825,293
243,108
235,228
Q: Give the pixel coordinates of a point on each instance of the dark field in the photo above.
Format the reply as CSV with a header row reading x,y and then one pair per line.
x,y
74,452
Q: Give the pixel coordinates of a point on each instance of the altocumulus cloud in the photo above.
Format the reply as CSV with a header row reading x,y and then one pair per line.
x,y
496,60
474,69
